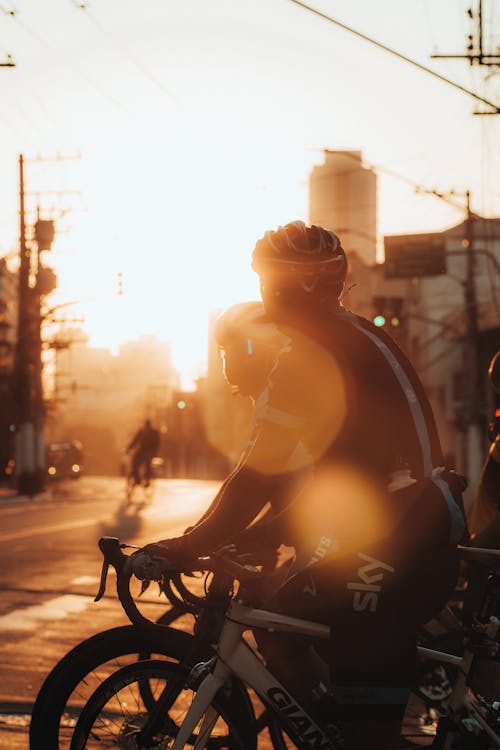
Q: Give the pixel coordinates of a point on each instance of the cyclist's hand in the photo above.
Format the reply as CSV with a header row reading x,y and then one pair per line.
x,y
147,567
172,550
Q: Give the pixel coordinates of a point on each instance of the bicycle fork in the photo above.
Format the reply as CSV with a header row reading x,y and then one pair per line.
x,y
202,707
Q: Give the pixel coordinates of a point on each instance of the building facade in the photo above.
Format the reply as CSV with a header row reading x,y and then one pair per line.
x,y
102,398
343,198
454,329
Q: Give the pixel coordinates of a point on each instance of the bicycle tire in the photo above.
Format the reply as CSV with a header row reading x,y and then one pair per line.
x,y
114,711
78,665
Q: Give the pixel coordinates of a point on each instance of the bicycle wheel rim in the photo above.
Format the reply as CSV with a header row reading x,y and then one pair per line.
x,y
116,717
69,685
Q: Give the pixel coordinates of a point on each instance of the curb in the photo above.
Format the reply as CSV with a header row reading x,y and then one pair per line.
x,y
9,496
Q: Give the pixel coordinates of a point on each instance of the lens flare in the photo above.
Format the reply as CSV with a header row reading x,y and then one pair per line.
x,y
343,504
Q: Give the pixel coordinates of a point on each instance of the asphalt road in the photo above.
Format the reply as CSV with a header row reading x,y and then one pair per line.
x,y
49,572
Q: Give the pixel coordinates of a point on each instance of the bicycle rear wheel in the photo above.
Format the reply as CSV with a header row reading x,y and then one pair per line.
x,y
73,680
116,717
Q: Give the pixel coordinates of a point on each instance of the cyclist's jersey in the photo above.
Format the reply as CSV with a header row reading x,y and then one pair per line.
x,y
145,441
343,435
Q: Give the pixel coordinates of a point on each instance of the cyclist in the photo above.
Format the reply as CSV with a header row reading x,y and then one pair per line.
x,y
485,517
346,450
485,514
144,445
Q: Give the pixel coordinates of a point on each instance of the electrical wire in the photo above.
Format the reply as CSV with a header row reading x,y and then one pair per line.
x,y
14,16
82,6
444,353
408,180
386,48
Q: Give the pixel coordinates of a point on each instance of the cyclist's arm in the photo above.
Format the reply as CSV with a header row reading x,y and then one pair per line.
x,y
239,501
211,507
135,441
243,495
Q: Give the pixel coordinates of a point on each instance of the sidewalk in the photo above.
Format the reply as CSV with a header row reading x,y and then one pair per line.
x,y
9,495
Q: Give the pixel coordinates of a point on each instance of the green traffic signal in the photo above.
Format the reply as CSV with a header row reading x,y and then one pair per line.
x,y
379,321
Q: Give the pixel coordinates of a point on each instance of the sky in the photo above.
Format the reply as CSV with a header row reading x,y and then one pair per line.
x,y
165,137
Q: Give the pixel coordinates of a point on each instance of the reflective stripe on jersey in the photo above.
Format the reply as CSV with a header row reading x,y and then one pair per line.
x,y
457,523
409,391
282,418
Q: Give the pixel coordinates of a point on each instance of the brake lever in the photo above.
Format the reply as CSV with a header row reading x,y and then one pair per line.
x,y
111,550
102,584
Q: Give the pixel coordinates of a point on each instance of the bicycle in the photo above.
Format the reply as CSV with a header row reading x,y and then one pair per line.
x,y
68,686
139,477
219,685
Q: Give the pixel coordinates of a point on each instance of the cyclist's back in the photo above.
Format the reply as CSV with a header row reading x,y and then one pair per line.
x,y
382,469
145,440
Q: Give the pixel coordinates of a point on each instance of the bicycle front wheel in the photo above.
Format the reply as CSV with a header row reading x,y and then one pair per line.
x,y
116,716
73,680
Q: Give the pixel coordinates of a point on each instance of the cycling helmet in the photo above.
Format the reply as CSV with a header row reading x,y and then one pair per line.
x,y
308,259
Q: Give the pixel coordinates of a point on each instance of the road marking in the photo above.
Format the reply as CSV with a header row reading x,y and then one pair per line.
x,y
30,618
37,530
82,580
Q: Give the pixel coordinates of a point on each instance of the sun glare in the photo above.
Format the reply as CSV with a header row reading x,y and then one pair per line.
x,y
341,502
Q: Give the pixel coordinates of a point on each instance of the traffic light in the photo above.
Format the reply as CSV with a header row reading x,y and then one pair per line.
x,y
388,312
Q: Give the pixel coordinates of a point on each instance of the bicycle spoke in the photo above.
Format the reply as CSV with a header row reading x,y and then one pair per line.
x,y
116,716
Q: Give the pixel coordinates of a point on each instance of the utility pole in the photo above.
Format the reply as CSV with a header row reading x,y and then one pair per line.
x,y
27,481
33,284
476,54
474,380
481,58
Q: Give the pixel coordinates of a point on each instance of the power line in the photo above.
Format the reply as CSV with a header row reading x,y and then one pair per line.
x,y
13,14
106,33
459,87
409,181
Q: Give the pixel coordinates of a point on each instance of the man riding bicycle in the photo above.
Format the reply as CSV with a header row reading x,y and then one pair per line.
x,y
144,445
346,452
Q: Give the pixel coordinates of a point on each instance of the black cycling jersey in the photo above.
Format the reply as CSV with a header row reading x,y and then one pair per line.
x,y
341,397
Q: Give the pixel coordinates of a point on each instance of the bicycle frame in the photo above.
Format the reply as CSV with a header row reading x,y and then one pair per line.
x,y
236,657
460,697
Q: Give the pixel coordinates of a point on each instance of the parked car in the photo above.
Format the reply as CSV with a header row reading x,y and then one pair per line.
x,y
65,460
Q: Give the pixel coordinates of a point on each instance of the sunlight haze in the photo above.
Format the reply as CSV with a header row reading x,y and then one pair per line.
x,y
197,125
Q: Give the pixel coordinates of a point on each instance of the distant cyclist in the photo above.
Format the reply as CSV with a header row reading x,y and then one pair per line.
x,y
346,452
144,446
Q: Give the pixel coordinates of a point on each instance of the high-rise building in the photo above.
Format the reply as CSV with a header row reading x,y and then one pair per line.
x,y
343,198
